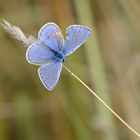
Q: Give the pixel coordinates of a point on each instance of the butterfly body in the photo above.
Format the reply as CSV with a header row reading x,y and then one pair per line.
x,y
51,50
59,56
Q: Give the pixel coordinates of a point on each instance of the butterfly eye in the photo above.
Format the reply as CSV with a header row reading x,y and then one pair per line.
x,y
64,60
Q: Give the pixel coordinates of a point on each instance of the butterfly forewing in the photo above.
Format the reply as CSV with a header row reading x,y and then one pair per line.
x,y
51,36
49,74
38,54
76,36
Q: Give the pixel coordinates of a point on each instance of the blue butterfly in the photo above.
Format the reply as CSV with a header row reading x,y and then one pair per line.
x,y
51,50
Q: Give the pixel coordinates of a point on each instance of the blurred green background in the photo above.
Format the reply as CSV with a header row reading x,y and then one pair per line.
x,y
108,62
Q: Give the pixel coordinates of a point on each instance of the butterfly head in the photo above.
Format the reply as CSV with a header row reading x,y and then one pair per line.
x,y
65,59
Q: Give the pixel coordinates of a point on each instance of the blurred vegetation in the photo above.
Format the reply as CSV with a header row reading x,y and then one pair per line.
x,y
108,62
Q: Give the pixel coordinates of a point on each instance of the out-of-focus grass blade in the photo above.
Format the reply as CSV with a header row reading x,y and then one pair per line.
x,y
24,120
3,132
79,128
96,68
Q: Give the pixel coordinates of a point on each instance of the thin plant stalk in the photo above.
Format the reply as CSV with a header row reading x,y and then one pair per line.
x,y
113,112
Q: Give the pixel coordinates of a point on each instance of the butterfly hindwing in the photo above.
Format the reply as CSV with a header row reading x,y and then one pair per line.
x,y
51,36
76,36
50,73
